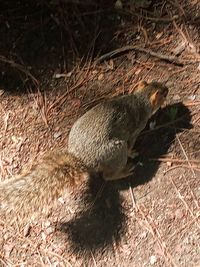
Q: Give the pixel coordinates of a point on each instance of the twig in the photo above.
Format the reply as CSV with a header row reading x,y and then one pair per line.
x,y
58,256
182,166
2,169
187,159
133,197
187,38
6,122
156,19
183,228
183,200
189,104
95,264
176,4
191,192
63,97
5,262
152,228
168,58
93,102
41,102
163,125
20,68
196,120
173,160
41,259
161,242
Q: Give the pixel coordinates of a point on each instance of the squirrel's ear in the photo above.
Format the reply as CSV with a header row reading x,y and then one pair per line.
x,y
154,99
141,85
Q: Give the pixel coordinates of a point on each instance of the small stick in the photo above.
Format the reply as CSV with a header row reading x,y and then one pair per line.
x,y
189,104
171,59
19,67
62,98
41,102
167,19
182,166
133,197
187,159
6,122
196,201
174,160
184,202
156,234
95,264
183,228
167,124
156,19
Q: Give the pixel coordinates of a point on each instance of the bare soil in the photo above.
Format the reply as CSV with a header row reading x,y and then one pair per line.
x,y
49,78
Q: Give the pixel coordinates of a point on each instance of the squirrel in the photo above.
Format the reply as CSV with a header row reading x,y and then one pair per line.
x,y
100,141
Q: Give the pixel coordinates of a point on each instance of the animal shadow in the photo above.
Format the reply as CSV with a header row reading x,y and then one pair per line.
x,y
153,144
100,221
105,221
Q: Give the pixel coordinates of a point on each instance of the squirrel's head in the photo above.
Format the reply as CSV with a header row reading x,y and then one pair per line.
x,y
155,93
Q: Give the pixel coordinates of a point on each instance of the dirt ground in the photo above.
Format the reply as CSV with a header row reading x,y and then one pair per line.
x,y
50,75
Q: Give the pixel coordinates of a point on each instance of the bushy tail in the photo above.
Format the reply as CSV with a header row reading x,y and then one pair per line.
x,y
37,189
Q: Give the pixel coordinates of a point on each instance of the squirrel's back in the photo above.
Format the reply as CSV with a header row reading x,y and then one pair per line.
x,y
114,119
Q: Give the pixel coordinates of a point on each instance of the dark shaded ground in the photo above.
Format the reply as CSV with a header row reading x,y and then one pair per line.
x,y
52,37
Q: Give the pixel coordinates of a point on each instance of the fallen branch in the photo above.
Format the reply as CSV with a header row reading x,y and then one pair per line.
x,y
195,167
168,58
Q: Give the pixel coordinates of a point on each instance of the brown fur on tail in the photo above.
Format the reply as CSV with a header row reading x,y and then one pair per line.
x,y
38,188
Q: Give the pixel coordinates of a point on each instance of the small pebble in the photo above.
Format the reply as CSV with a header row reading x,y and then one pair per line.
x,y
192,97
153,260
152,125
100,77
27,230
118,4
169,163
50,230
61,200
57,135
176,97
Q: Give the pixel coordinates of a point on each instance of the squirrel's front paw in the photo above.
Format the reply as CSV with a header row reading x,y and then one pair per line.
x,y
132,154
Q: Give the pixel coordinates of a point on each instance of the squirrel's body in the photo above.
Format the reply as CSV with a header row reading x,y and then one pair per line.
x,y
107,147
99,141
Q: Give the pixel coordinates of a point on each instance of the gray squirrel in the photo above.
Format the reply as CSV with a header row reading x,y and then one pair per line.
x,y
101,140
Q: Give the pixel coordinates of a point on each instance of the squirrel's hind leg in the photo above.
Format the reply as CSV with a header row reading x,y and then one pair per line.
x,y
115,166
132,154
113,158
